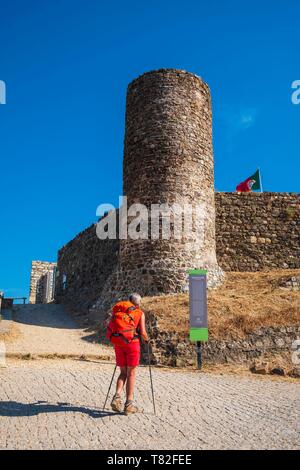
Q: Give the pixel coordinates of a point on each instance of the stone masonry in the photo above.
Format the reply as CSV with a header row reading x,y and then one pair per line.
x,y
42,282
168,159
258,231
170,348
87,261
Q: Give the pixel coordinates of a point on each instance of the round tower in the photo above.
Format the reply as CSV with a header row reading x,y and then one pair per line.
x,y
168,158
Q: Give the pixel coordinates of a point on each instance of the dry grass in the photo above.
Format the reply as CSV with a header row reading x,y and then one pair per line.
x,y
54,356
12,335
245,302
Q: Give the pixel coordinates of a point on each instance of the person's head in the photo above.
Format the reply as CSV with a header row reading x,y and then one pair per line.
x,y
135,299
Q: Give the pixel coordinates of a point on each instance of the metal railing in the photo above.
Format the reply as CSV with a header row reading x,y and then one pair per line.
x,y
19,298
8,302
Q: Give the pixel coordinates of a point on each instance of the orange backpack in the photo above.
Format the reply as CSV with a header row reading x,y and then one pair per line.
x,y
122,328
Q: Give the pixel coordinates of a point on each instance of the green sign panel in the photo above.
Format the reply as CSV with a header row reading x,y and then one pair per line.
x,y
198,305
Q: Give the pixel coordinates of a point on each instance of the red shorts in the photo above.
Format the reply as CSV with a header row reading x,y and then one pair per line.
x,y
128,355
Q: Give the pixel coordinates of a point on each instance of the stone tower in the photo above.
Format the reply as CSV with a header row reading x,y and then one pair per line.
x,y
42,282
168,158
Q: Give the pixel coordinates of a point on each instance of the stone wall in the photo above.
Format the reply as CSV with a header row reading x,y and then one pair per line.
x,y
272,218
255,231
7,303
170,349
83,266
42,281
290,283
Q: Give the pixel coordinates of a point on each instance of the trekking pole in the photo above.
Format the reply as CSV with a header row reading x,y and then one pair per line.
x,y
109,387
151,377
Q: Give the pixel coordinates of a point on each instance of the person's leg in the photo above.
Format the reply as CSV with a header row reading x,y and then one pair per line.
x,y
116,403
132,360
130,383
121,380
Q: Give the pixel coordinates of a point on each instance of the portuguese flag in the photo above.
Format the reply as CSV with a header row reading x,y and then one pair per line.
x,y
250,184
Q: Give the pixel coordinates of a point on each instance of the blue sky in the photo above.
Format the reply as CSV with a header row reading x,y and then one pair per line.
x,y
66,65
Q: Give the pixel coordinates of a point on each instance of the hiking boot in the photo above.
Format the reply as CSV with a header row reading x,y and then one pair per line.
x,y
116,403
130,408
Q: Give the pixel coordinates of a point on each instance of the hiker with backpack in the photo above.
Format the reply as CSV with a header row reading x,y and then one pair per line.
x,y
124,331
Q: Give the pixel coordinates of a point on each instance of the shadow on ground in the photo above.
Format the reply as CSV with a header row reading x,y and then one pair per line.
x,y
44,315
17,409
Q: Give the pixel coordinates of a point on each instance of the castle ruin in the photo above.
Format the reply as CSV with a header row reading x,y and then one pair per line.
x,y
42,282
168,158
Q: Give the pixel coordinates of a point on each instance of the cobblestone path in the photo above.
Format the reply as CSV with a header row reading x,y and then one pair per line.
x,y
56,404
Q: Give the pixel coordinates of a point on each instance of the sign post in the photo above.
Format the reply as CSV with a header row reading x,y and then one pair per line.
x,y
198,309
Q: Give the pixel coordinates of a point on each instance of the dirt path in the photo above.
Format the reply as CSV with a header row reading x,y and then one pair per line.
x,y
49,330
